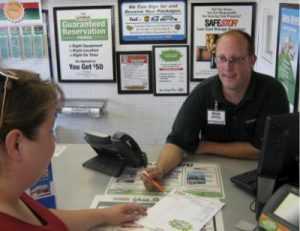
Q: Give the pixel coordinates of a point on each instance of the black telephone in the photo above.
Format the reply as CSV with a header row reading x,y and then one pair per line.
x,y
114,153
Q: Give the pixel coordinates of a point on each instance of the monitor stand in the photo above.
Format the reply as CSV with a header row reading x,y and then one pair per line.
x,y
265,188
108,166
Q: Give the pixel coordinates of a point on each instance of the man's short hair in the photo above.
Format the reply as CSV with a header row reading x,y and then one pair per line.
x,y
243,34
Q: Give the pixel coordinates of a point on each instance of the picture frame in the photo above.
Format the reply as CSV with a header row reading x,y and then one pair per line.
x,y
288,49
134,72
171,70
84,39
152,21
208,21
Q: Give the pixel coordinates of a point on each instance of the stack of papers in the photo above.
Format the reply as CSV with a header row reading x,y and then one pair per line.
x,y
181,211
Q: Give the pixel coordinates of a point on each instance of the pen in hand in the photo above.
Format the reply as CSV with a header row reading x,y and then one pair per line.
x,y
157,185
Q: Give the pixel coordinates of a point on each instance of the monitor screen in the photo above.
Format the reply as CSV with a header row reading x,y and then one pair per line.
x,y
288,209
280,151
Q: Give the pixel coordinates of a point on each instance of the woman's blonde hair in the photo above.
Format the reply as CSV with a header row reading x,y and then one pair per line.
x,y
27,102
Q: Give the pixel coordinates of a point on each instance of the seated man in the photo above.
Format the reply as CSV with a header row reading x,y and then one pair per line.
x,y
225,114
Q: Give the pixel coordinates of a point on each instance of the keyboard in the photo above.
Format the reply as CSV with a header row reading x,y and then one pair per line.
x,y
246,181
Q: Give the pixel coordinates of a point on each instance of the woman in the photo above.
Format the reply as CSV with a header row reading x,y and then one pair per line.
x,y
28,111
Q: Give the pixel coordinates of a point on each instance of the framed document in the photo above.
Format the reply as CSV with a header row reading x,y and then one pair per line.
x,y
84,43
287,59
153,21
208,21
134,72
171,70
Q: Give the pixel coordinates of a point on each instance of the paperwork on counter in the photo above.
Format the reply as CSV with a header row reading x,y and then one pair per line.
x,y
181,211
191,179
103,201
196,178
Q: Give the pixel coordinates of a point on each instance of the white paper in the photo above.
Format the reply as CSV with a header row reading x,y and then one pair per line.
x,y
179,209
104,201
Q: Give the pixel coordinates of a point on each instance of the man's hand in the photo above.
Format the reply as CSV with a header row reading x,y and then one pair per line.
x,y
170,156
155,173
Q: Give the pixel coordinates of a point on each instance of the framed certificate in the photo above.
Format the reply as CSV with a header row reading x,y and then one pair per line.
x,y
84,43
153,21
171,70
208,21
287,59
134,72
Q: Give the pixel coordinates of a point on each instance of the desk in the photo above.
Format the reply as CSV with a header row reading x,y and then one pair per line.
x,y
76,186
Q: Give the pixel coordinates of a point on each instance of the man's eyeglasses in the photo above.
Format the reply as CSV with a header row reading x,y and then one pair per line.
x,y
5,87
234,60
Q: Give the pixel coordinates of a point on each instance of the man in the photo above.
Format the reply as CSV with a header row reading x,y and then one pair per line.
x,y
225,114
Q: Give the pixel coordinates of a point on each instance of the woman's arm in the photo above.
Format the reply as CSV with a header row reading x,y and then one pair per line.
x,y
82,220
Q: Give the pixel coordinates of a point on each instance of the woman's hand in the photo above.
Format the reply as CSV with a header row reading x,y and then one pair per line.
x,y
119,214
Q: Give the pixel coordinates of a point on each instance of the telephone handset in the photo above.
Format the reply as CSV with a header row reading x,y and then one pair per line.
x,y
114,153
129,150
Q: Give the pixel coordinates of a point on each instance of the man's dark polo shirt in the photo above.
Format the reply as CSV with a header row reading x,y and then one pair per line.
x,y
244,122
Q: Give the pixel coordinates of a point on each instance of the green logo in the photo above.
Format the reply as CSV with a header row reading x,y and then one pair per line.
x,y
170,55
84,30
181,225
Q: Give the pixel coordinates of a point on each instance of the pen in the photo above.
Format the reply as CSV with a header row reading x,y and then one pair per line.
x,y
153,181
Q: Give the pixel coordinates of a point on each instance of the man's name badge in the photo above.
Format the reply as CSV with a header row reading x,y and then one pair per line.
x,y
216,117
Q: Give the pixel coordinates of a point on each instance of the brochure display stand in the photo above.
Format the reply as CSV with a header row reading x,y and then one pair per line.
x,y
43,189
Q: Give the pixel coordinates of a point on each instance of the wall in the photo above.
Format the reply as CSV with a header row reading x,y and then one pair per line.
x,y
145,117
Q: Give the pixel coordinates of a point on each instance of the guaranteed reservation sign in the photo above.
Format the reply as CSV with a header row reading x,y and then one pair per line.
x,y
84,43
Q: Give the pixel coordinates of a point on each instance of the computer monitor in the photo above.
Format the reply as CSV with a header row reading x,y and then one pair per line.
x,y
280,152
279,160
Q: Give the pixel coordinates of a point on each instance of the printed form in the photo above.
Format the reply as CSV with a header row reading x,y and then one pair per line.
x,y
104,201
181,211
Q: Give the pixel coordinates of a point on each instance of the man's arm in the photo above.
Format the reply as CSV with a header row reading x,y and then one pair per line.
x,y
233,149
170,156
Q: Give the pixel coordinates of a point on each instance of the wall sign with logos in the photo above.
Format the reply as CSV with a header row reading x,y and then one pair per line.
x,y
22,34
21,12
154,21
208,21
171,70
288,48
